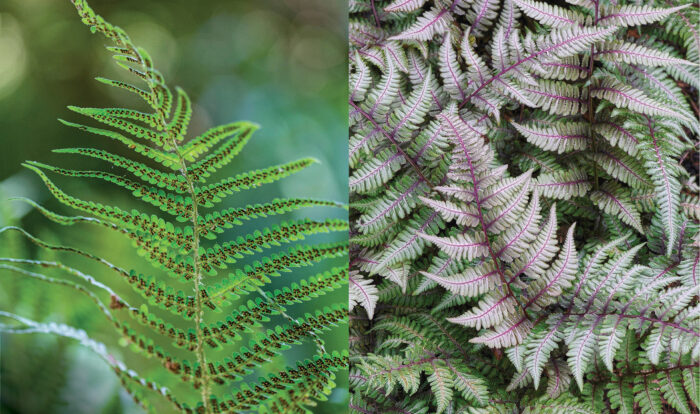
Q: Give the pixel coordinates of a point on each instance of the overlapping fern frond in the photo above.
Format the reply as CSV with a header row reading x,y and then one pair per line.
x,y
497,149
225,323
623,97
615,302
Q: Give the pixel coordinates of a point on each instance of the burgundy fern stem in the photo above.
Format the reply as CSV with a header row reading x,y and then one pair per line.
x,y
482,222
393,141
591,115
658,370
515,65
674,325
364,292
376,16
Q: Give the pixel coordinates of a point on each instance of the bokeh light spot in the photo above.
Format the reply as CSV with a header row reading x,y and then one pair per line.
x,y
13,56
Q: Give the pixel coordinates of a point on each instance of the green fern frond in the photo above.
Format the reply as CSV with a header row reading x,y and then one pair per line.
x,y
232,276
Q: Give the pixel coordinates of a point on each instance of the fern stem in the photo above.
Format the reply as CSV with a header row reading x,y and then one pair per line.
x,y
153,80
484,227
657,370
396,144
500,74
199,308
673,325
199,312
376,16
448,336
317,339
161,120
591,116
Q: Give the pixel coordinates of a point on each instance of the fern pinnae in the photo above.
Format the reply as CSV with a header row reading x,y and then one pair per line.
x,y
553,16
96,23
199,145
563,185
126,375
624,96
150,175
635,54
664,183
547,240
559,44
116,303
222,155
180,250
628,15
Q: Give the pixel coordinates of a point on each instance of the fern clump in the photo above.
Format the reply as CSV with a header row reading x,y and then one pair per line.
x,y
227,326
524,206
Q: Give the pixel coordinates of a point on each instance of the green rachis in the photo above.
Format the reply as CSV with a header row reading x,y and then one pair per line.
x,y
216,327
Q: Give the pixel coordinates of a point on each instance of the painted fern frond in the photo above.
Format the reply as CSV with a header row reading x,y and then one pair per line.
x,y
602,102
230,305
541,208
630,15
616,51
614,297
549,15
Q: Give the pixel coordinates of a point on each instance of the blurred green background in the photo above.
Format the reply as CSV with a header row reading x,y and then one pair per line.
x,y
279,63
